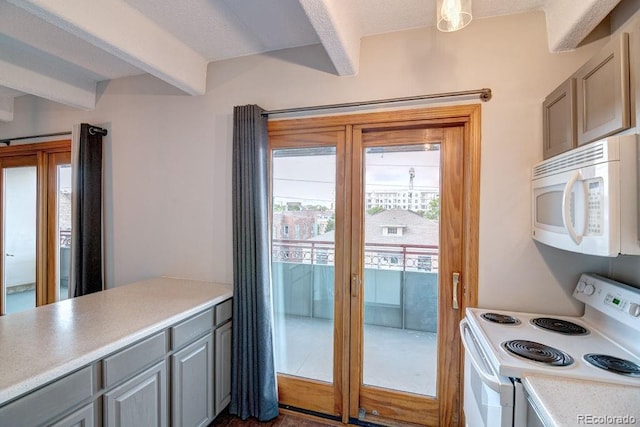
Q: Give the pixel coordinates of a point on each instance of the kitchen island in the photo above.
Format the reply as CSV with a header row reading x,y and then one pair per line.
x,y
95,344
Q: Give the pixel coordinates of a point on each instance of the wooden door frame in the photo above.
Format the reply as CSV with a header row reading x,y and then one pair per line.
x,y
466,116
53,160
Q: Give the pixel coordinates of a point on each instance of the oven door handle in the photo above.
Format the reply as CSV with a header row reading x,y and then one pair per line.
x,y
474,354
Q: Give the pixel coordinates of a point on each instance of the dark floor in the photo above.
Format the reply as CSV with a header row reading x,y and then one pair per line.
x,y
283,420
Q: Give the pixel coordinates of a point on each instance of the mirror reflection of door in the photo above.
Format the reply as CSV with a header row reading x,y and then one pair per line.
x,y
19,212
35,213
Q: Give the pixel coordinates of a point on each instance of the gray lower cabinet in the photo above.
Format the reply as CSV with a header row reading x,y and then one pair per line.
x,y
223,367
140,401
192,384
83,417
50,402
179,377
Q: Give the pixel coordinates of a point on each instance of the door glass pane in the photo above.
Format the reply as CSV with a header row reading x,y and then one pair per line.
x,y
19,278
63,224
401,226
303,220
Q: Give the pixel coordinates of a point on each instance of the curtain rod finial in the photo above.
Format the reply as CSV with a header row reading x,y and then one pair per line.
x,y
94,130
485,95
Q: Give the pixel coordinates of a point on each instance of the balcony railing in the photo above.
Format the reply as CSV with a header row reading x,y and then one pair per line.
x,y
398,256
400,282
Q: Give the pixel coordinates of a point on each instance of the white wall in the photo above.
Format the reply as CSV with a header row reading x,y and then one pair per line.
x,y
168,155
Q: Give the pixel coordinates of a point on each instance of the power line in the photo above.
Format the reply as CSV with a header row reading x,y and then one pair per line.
x,y
304,180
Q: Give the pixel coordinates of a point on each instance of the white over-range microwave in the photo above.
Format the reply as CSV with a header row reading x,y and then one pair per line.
x,y
586,200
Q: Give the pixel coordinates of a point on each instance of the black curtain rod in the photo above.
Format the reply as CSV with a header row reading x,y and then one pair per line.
x,y
92,130
484,95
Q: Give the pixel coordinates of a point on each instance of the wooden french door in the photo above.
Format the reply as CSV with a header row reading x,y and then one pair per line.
x,y
374,233
35,224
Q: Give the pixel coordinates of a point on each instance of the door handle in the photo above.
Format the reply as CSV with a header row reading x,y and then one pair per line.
x,y
355,285
455,283
8,255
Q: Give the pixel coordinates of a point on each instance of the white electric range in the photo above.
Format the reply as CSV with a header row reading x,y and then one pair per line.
x,y
501,347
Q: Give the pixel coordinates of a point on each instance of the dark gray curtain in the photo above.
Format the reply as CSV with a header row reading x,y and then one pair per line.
x,y
253,377
86,241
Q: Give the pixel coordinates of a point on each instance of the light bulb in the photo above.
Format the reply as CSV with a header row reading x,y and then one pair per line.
x,y
453,14
451,10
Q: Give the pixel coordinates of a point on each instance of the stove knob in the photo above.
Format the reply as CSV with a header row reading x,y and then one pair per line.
x,y
589,289
634,309
581,286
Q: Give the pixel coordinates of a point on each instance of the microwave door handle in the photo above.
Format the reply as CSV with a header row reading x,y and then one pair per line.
x,y
566,208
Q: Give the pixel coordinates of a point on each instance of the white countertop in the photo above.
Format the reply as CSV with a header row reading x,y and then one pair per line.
x,y
42,344
571,402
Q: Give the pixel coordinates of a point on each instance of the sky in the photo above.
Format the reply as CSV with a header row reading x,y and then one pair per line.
x,y
311,179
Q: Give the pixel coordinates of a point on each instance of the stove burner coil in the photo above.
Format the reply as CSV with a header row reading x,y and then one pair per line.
x,y
558,325
537,352
613,364
503,319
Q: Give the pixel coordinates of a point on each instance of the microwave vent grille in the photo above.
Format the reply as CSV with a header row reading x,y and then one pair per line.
x,y
589,155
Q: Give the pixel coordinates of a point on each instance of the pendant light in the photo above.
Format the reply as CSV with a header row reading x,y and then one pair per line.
x,y
453,15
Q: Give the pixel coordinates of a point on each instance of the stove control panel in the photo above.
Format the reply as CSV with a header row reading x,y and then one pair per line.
x,y
615,299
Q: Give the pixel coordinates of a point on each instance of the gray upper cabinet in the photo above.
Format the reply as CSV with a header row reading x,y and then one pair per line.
x,y
559,119
602,87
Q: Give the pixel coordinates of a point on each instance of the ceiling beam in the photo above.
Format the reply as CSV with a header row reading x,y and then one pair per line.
x,y
135,39
43,82
569,22
338,31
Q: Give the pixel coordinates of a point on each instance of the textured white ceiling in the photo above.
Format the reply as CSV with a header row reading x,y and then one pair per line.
x,y
59,50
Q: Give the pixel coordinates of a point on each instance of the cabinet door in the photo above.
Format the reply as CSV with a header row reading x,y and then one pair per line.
x,y
192,384
559,120
223,366
83,417
139,402
603,92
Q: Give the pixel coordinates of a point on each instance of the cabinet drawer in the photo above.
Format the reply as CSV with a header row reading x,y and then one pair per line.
x,y
50,401
133,359
186,331
224,311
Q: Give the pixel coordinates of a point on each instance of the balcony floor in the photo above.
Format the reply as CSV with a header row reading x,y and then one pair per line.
x,y
19,301
394,358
